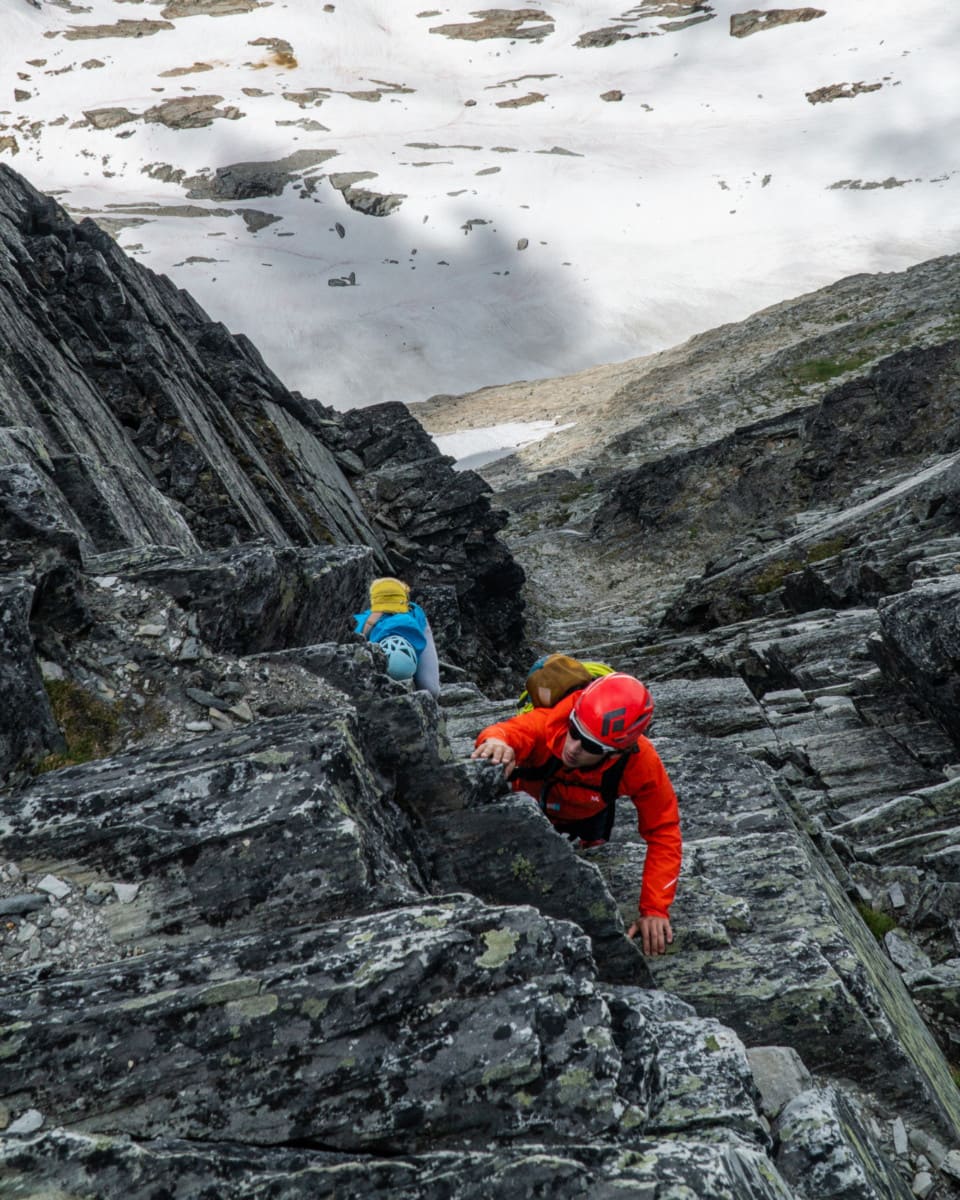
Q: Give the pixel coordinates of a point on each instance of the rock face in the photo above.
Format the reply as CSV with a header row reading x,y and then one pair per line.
x,y
268,931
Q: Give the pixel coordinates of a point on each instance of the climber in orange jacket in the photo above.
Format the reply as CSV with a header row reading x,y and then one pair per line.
x,y
576,758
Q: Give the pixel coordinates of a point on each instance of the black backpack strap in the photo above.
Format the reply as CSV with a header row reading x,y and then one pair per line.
x,y
544,772
610,783
610,789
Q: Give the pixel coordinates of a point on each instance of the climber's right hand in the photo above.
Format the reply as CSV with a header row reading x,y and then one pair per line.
x,y
497,752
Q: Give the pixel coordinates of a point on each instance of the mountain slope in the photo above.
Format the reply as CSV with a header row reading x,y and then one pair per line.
x,y
611,514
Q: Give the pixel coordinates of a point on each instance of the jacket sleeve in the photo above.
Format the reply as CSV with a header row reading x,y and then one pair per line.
x,y
658,823
427,676
524,732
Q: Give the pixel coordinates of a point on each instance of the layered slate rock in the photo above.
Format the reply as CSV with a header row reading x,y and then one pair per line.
x,y
921,645
115,1165
381,1033
27,730
261,827
427,1026
254,598
123,375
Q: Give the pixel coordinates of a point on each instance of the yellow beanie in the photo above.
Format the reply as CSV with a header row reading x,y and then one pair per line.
x,y
389,595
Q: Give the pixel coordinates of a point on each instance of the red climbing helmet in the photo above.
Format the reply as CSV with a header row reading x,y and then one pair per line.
x,y
613,711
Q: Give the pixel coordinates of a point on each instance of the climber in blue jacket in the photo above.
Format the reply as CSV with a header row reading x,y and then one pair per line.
x,y
400,627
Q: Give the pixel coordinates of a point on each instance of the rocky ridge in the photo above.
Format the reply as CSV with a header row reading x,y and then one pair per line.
x,y
268,931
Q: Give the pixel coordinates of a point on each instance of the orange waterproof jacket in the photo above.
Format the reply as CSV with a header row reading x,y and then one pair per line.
x,y
538,735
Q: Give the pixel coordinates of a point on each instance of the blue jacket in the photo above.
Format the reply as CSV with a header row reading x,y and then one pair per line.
x,y
411,625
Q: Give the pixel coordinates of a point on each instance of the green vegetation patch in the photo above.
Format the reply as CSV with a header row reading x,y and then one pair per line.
x,y
773,575
819,370
879,923
90,726
827,549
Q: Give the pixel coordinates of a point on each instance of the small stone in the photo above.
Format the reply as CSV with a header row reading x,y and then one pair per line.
x,y
16,906
951,1164
97,892
835,705
897,898
190,650
903,953
105,581
51,670
199,726
126,892
922,1184
54,886
901,1145
28,1122
151,631
242,711
219,719
780,1074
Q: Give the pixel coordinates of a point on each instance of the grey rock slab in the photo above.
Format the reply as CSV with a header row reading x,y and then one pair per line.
x,y
861,767
780,1074
767,941
503,849
827,1153
27,726
447,1020
720,708
116,1167
904,953
274,823
921,643
255,598
926,814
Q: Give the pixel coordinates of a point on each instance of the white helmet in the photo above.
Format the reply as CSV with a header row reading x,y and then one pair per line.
x,y
401,656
